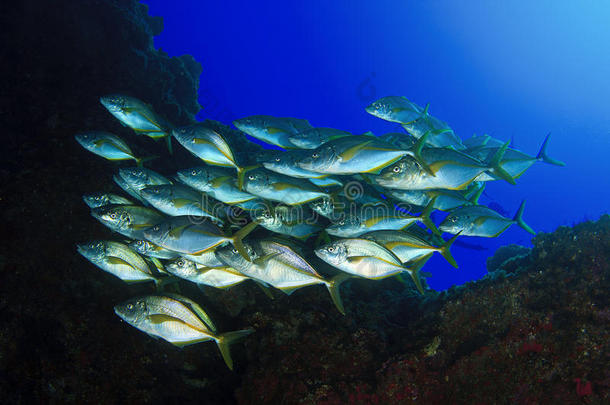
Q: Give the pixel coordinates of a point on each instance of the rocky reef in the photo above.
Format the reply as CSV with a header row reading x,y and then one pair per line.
x,y
535,330
536,333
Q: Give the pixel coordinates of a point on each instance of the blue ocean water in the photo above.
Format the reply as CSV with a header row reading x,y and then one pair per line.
x,y
515,70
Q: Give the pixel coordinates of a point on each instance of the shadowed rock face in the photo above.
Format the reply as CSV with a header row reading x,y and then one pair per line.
x,y
59,57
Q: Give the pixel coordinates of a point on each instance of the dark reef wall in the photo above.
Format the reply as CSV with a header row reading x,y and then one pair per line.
x,y
536,330
58,58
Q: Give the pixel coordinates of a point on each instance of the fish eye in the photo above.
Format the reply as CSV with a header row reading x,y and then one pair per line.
x,y
315,155
234,251
251,177
156,228
331,249
396,169
194,172
130,306
342,222
180,263
113,215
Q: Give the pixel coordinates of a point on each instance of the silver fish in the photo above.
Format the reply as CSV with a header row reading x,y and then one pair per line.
x,y
216,182
177,320
135,114
194,235
176,199
478,220
367,259
128,220
277,187
273,130
95,200
223,277
314,137
108,146
278,265
117,259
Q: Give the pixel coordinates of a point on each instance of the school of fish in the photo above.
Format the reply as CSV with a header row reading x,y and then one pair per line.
x,y
362,202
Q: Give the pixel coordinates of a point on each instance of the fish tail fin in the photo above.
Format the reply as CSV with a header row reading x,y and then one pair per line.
x,y
518,218
237,239
140,161
168,139
474,198
240,178
241,172
226,339
542,156
496,166
446,253
414,271
424,217
333,288
421,142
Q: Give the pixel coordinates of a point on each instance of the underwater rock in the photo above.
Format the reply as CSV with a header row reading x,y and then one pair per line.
x,y
64,55
523,339
505,254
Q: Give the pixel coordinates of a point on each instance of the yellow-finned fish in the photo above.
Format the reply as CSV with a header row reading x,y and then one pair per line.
x,y
276,264
368,259
108,146
117,259
478,220
177,320
273,130
137,115
278,187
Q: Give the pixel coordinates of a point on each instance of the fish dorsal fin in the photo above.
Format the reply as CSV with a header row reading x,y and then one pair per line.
x,y
350,153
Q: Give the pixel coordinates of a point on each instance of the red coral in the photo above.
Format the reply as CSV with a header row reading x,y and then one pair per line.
x,y
530,347
583,388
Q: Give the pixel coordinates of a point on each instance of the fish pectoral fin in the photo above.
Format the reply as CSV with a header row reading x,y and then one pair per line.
x,y
282,186
157,319
201,141
176,232
274,130
119,261
373,221
350,153
141,226
182,202
219,181
356,259
259,261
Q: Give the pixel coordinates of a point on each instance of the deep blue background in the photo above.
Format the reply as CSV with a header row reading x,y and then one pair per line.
x,y
519,70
